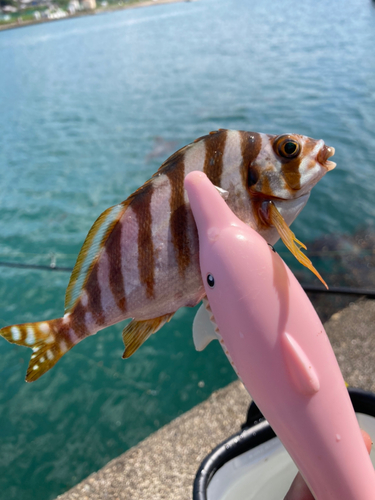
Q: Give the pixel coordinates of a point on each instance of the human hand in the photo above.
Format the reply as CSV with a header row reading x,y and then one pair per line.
x,y
299,489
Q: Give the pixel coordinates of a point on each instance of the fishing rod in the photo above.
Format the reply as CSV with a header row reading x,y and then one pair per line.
x,y
340,290
51,267
337,290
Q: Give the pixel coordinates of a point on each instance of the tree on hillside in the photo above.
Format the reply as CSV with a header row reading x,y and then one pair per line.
x,y
4,3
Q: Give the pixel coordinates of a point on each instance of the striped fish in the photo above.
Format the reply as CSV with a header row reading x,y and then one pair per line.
x,y
140,258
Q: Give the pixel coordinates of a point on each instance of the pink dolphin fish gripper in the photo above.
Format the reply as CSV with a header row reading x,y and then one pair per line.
x,y
274,339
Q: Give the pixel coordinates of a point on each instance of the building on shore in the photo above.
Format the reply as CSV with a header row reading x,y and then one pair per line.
x,y
88,4
9,9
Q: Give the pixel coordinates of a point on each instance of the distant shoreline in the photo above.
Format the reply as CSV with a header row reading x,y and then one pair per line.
x,y
100,10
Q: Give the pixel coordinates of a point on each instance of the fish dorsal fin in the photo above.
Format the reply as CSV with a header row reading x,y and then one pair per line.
x,y
90,251
100,231
204,328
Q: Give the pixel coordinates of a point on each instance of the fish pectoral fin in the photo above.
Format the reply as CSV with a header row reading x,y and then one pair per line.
x,y
138,331
47,340
204,329
222,192
290,241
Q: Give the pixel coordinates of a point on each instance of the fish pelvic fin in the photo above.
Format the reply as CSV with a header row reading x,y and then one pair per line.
x,y
290,241
49,340
137,332
205,328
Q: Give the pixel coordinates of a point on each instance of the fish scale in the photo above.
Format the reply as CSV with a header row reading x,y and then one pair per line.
x,y
140,259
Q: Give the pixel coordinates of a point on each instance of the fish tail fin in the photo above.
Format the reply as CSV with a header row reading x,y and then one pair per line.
x,y
137,332
49,340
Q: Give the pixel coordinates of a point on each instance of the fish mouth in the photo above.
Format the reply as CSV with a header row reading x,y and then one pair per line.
x,y
323,155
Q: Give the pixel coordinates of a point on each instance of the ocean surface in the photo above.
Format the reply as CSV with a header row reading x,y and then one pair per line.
x,y
89,108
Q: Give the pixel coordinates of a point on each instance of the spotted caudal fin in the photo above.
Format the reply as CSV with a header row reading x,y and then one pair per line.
x,y
137,332
49,340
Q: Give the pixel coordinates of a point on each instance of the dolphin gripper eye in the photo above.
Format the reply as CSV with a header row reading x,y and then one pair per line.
x,y
210,280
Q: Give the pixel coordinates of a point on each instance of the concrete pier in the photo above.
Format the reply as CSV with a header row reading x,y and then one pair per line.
x,y
164,465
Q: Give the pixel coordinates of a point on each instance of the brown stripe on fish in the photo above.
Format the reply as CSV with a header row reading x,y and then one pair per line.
x,y
65,335
171,161
93,290
213,164
141,205
251,144
290,167
175,168
179,214
77,319
116,277
291,173
204,137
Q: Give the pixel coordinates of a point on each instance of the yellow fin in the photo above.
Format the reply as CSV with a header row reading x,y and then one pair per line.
x,y
291,242
90,251
137,332
46,340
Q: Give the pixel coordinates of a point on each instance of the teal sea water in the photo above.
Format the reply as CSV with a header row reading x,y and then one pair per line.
x,y
81,102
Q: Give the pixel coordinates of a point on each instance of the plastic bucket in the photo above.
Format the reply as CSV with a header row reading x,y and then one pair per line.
x,y
253,464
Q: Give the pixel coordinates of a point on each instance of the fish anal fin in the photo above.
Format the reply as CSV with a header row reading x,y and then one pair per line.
x,y
138,331
290,241
49,340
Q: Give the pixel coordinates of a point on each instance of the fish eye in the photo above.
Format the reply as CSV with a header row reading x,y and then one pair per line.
x,y
210,280
287,147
